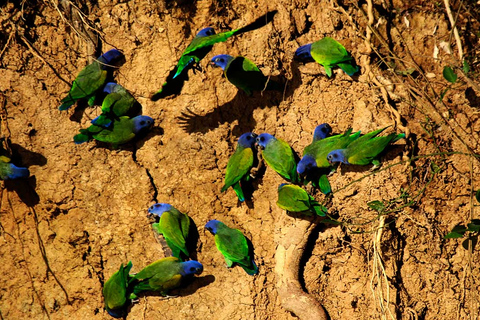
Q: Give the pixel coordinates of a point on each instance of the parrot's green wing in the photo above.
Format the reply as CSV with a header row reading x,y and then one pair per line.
x,y
279,156
115,105
324,184
162,275
329,53
293,198
115,291
174,227
87,134
369,147
238,166
234,247
244,74
88,81
122,132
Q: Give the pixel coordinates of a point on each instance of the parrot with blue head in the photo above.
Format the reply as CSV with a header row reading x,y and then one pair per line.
x,y
199,48
329,53
244,74
92,78
279,156
233,245
322,131
240,163
115,292
295,199
121,131
164,275
9,171
365,149
117,103
174,226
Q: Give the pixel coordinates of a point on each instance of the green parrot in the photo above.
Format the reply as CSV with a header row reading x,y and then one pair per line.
x,y
279,156
233,245
121,131
92,78
174,226
115,292
163,275
117,103
329,53
244,74
295,199
240,163
314,164
365,149
198,49
10,171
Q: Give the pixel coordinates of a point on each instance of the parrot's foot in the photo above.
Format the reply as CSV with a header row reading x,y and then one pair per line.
x,y
376,165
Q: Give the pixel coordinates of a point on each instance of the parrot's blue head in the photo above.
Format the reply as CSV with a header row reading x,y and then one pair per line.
x,y
17,172
306,164
191,267
141,122
304,52
322,131
159,208
247,140
112,57
205,32
264,139
222,60
281,186
337,156
212,226
110,87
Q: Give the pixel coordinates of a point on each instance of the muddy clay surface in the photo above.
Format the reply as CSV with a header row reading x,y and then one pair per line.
x,y
83,211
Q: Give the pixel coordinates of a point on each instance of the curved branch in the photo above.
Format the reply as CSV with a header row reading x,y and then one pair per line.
x,y
291,242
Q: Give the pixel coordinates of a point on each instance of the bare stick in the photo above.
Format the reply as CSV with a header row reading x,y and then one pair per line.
x,y
455,30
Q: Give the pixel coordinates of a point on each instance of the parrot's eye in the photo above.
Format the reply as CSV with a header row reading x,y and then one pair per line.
x,y
221,59
142,123
192,269
262,139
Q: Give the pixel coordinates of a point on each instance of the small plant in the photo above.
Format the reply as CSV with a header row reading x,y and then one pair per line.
x,y
473,229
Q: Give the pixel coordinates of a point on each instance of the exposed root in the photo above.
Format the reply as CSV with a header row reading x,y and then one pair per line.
x,y
291,241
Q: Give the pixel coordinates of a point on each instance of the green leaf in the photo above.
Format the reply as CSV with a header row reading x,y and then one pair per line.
x,y
405,72
477,195
457,232
466,66
474,242
376,205
449,74
474,225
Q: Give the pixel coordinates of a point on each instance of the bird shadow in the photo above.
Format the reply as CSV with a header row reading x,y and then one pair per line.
x,y
193,237
239,108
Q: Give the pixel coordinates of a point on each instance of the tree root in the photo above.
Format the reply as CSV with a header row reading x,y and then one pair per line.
x,y
291,241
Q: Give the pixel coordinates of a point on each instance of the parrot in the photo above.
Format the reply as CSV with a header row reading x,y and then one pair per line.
x,y
10,171
329,53
163,275
240,163
244,74
295,199
315,154
200,46
122,131
118,102
174,226
92,78
115,292
322,131
233,245
364,150
279,156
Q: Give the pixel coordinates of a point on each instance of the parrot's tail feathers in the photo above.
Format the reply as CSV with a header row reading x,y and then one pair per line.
x,y
117,313
318,209
324,184
238,190
252,269
303,52
18,172
66,104
224,188
102,121
82,137
349,68
398,137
